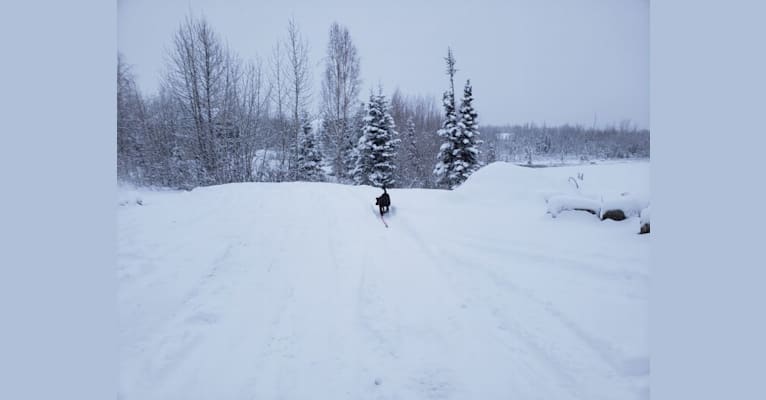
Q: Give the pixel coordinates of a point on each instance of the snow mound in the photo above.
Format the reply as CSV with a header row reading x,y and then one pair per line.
x,y
506,182
501,174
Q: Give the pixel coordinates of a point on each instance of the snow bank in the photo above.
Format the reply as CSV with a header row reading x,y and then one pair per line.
x,y
598,189
509,183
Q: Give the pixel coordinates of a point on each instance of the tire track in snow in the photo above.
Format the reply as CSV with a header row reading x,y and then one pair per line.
x,y
603,347
317,322
558,362
559,262
174,344
439,258
378,350
400,311
348,282
164,246
171,344
605,350
558,357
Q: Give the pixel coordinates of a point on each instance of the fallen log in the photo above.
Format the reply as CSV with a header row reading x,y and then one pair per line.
x,y
614,214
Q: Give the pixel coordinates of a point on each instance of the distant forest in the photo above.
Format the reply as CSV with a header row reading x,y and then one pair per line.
x,y
529,144
219,119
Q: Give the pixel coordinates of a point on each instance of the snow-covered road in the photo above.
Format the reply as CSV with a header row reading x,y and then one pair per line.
x,y
297,291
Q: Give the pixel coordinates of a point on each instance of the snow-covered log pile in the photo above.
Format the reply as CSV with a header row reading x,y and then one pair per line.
x,y
617,209
608,204
625,206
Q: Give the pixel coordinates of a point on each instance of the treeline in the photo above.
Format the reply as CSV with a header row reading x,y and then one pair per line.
x,y
532,143
219,119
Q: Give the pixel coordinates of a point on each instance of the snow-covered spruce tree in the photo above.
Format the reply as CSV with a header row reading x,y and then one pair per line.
x,y
376,148
449,132
413,155
469,129
459,155
309,159
350,153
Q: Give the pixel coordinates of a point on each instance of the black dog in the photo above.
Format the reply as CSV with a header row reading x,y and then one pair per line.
x,y
383,202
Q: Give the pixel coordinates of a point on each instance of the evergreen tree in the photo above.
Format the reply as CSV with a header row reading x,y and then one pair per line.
x,y
309,159
449,131
350,152
469,130
447,151
459,155
450,59
377,147
413,156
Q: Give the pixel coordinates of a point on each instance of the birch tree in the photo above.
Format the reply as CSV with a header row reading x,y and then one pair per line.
x,y
340,91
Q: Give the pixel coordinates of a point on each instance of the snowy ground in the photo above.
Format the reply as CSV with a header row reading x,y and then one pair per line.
x,y
297,291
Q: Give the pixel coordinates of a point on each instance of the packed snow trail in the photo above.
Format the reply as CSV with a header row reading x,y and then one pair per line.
x,y
295,291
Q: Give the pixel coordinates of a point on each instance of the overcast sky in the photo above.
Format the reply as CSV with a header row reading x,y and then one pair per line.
x,y
552,61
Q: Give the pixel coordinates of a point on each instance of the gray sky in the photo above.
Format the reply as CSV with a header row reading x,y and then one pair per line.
x,y
553,61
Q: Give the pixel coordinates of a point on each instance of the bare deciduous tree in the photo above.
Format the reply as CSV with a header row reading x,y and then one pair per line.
x,y
195,73
254,107
298,73
280,131
340,90
299,88
131,121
